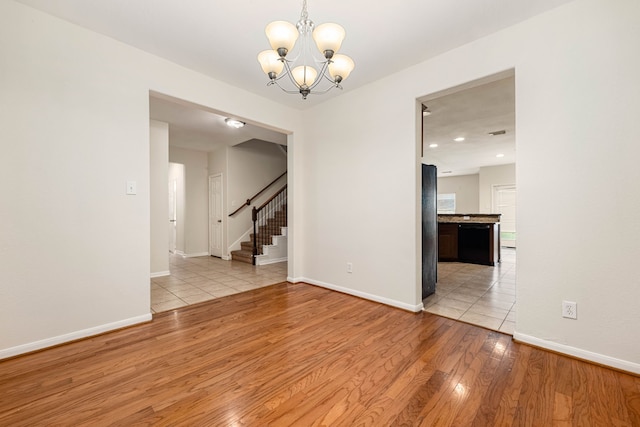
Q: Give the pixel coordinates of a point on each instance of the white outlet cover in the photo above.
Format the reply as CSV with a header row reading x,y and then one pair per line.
x,y
569,310
132,188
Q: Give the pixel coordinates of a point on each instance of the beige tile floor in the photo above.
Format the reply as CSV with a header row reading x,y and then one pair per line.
x,y
199,279
477,294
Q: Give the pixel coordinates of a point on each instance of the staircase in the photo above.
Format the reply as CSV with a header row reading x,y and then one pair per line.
x,y
271,240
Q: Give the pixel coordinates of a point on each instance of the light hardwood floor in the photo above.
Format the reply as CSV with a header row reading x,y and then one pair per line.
x,y
296,354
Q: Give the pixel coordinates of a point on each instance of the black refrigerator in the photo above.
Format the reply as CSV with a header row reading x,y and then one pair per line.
x,y
429,230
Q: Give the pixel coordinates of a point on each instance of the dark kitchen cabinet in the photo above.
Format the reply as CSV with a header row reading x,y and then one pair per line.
x,y
447,242
476,243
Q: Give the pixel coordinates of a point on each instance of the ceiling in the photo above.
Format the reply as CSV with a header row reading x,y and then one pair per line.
x,y
221,38
195,128
472,114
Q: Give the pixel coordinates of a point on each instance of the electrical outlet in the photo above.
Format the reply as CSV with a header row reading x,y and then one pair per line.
x,y
569,309
349,267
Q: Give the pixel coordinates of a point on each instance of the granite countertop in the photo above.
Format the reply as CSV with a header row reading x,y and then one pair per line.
x,y
469,218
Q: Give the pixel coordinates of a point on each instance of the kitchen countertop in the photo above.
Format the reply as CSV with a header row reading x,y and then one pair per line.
x,y
469,218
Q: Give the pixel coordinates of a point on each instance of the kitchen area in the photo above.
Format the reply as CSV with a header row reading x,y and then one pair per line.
x,y
469,194
472,238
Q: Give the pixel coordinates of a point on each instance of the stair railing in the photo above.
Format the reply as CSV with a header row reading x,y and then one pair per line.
x,y
250,200
268,219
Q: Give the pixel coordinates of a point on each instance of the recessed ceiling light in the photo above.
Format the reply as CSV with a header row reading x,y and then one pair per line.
x,y
433,145
499,155
459,139
234,123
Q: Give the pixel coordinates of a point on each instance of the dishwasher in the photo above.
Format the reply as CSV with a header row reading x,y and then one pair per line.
x,y
474,243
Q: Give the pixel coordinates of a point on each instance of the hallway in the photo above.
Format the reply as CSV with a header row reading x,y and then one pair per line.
x,y
199,279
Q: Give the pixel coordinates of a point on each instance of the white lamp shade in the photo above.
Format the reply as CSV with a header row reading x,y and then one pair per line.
x,y
341,66
304,75
270,62
281,34
328,36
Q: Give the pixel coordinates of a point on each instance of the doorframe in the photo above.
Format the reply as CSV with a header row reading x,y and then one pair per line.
x,y
420,154
173,206
223,253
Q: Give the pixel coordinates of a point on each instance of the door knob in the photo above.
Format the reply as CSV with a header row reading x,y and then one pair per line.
x,y
219,220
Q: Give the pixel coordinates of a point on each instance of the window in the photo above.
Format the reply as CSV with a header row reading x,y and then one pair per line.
x,y
447,203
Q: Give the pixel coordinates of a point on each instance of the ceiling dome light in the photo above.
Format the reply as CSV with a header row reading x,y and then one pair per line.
x,y
237,124
499,155
459,139
433,145
303,77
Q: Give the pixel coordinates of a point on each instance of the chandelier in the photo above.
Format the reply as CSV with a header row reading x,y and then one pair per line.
x,y
282,35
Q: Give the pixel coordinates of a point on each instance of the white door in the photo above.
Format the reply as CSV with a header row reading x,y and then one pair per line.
x,y
215,215
504,202
173,217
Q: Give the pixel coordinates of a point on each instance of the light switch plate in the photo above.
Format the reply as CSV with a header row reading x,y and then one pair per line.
x,y
132,188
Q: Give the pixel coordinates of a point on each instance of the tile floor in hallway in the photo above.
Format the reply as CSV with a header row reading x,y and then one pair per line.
x,y
477,294
199,279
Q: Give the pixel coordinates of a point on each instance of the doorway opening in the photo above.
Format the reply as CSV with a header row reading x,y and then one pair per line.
x,y
216,216
468,133
203,170
176,208
504,203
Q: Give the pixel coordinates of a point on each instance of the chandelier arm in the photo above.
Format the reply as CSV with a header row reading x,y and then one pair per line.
x,y
323,73
290,74
273,82
322,92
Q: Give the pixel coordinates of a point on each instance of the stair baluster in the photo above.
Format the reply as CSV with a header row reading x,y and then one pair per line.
x,y
268,219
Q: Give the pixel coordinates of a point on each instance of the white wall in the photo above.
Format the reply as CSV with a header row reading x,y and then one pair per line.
x,y
491,176
196,199
74,127
159,199
577,103
466,188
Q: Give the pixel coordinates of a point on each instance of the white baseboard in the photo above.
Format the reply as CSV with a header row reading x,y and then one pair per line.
x,y
579,353
160,274
270,261
61,339
197,254
387,301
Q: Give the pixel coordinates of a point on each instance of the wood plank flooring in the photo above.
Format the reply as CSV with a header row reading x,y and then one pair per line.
x,y
296,354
